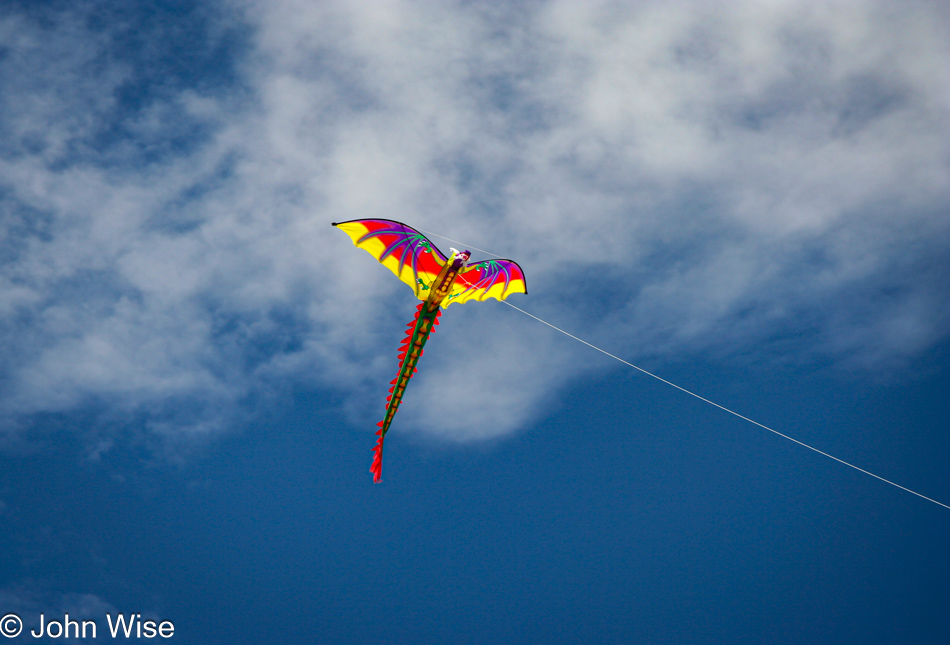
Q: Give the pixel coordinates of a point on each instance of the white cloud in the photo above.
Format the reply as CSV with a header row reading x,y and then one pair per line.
x,y
673,177
29,600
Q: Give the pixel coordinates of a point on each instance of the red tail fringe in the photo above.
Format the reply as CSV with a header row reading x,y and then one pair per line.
x,y
377,467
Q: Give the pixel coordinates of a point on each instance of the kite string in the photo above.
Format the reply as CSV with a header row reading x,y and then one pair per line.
x,y
693,394
725,409
457,242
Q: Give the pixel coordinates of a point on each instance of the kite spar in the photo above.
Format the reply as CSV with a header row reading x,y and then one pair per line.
x,y
436,279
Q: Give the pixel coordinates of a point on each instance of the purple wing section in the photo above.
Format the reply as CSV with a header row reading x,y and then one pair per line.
x,y
489,279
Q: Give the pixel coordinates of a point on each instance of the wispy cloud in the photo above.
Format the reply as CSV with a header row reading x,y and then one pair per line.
x,y
673,178
30,600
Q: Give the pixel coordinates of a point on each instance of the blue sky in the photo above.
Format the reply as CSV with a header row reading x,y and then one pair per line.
x,y
750,199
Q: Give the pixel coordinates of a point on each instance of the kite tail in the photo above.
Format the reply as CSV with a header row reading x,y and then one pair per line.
x,y
409,353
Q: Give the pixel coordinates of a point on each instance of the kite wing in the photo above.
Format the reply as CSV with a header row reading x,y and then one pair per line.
x,y
400,248
489,279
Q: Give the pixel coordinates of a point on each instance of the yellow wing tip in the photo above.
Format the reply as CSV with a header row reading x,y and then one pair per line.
x,y
482,296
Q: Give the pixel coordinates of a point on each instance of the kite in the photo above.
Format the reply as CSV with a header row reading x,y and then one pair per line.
x,y
436,279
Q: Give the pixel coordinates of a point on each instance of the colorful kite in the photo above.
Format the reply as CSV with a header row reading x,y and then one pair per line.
x,y
438,281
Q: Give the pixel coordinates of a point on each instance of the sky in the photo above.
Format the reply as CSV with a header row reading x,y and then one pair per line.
x,y
750,199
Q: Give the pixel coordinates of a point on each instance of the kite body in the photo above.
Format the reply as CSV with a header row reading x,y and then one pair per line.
x,y
436,279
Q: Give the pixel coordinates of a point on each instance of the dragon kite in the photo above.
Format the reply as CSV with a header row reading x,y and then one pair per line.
x,y
436,279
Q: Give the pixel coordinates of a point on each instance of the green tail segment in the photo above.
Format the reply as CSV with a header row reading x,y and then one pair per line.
x,y
409,353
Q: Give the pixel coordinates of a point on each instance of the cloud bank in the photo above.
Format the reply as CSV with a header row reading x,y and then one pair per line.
x,y
674,177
